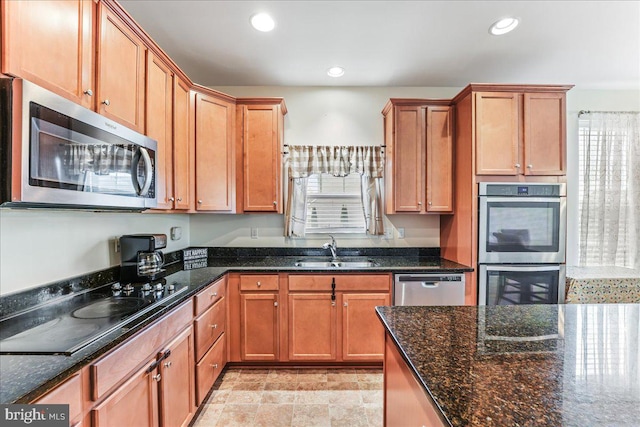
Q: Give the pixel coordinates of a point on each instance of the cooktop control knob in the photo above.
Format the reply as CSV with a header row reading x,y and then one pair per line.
x,y
128,288
159,286
116,287
146,287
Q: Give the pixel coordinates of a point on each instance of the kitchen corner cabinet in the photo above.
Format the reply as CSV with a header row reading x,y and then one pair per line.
x,y
419,157
331,317
260,140
215,152
120,79
520,133
259,317
33,39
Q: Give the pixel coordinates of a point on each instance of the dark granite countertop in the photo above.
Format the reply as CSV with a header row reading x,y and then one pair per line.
x,y
25,377
583,368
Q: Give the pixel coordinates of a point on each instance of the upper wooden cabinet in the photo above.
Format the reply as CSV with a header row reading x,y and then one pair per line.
x,y
52,44
182,145
215,152
120,71
260,140
419,157
520,133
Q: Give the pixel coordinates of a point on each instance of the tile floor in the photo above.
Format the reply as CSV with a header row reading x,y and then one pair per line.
x,y
295,397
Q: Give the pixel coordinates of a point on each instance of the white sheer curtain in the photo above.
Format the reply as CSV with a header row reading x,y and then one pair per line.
x,y
610,189
304,160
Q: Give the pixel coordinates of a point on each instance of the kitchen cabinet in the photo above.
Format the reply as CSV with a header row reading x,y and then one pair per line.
x,y
159,125
259,317
120,89
182,114
177,382
260,140
520,133
331,317
215,152
419,156
37,34
67,393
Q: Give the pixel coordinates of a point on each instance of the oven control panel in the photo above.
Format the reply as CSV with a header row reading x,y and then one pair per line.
x,y
522,189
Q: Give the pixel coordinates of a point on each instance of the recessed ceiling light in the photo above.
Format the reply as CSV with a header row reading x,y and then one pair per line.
x,y
262,22
503,26
335,71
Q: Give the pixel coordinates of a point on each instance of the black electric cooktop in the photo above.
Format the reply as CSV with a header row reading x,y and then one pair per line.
x,y
65,327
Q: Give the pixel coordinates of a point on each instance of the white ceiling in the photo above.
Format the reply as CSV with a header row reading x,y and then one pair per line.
x,y
592,44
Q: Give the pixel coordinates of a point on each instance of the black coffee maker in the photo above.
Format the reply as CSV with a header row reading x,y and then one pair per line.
x,y
142,260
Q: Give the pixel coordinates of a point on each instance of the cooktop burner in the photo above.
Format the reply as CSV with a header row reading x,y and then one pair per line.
x,y
69,325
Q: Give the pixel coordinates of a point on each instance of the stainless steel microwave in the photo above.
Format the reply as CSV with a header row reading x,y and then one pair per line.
x,y
55,153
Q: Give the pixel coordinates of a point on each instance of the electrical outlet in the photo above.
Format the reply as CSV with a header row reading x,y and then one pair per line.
x,y
254,232
400,232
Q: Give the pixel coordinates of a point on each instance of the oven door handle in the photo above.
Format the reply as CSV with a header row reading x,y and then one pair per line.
x,y
143,154
523,268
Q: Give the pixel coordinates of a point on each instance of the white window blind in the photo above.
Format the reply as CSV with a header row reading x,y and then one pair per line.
x,y
334,204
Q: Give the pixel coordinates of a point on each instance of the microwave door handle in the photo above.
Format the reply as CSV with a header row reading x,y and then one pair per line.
x,y
148,172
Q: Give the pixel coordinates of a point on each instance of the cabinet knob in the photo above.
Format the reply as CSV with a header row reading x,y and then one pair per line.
x,y
258,284
88,92
419,203
214,366
275,304
430,203
167,364
517,165
275,203
179,199
333,303
214,326
346,304
106,102
530,166
214,294
171,199
157,377
199,202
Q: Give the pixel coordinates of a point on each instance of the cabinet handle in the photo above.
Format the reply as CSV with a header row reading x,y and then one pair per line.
x,y
171,199
430,203
106,102
199,202
214,366
275,203
419,203
157,377
275,304
88,92
517,165
333,303
214,326
167,364
214,294
346,304
179,199
258,284
530,166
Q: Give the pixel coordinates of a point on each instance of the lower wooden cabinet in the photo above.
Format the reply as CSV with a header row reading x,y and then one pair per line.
x,y
210,367
312,327
68,393
362,332
177,388
259,333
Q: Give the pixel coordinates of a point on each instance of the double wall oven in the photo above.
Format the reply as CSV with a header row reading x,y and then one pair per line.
x,y
521,239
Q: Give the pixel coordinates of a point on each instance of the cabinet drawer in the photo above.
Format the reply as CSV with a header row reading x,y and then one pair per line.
x,y
209,326
209,368
70,393
254,282
206,297
344,282
118,364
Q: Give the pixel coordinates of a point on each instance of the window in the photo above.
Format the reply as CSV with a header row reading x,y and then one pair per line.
x,y
609,189
334,204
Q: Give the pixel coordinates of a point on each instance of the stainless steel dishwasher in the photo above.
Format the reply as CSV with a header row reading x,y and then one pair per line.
x,y
428,289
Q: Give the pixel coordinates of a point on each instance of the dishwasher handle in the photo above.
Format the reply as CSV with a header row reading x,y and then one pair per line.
x,y
430,284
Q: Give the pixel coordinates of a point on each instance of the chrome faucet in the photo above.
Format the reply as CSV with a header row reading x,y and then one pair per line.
x,y
332,246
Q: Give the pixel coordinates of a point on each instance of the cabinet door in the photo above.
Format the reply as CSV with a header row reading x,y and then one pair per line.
x,y
121,71
159,116
544,134
312,327
135,403
177,385
408,191
497,133
68,393
37,34
362,331
439,160
215,154
259,326
181,144
261,146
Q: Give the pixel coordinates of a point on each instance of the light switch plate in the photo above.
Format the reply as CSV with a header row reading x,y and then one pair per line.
x,y
176,233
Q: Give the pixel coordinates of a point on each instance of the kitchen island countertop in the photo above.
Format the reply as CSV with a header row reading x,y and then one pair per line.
x,y
579,366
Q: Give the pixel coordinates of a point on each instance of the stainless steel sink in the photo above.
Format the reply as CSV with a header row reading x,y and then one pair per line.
x,y
340,263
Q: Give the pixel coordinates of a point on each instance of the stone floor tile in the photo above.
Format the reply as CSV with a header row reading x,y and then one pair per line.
x,y
348,416
308,397
312,385
238,415
255,386
278,397
282,375
372,396
209,415
370,376
244,396
375,414
311,416
342,375
281,386
218,396
312,375
270,415
370,386
343,385
344,397
253,375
